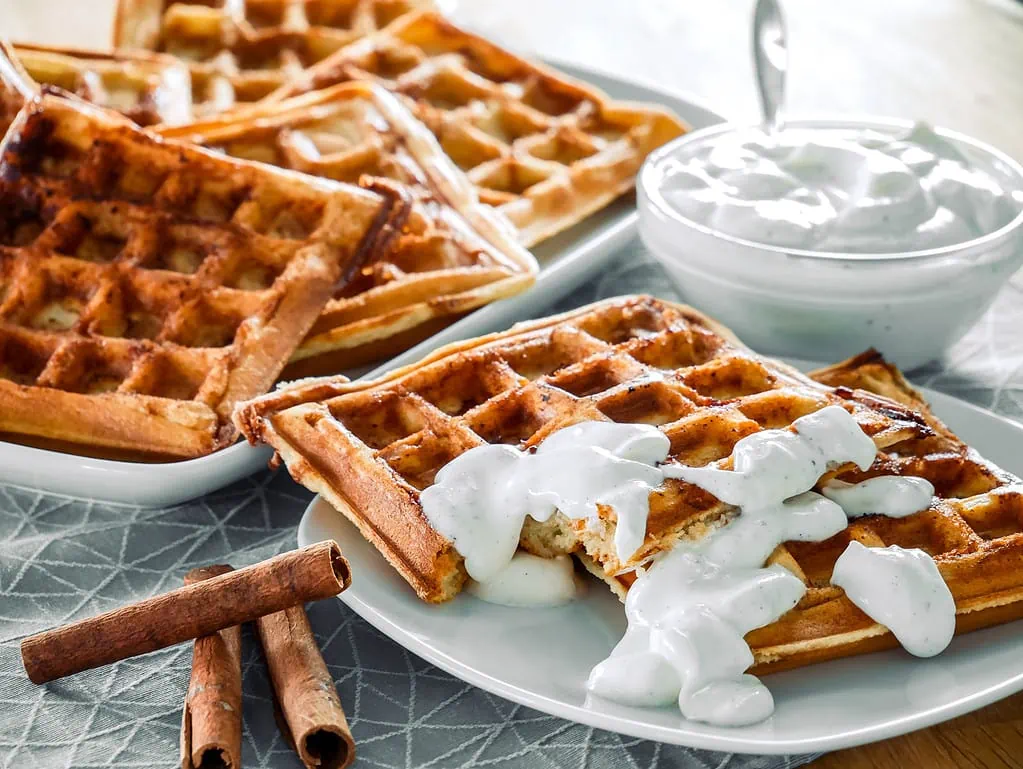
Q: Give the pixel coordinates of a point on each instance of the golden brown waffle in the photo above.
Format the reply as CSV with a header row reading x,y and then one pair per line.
x,y
871,372
632,359
238,51
974,530
147,87
369,447
453,253
543,148
147,286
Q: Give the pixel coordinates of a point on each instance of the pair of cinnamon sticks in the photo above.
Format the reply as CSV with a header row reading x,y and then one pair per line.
x,y
307,705
211,608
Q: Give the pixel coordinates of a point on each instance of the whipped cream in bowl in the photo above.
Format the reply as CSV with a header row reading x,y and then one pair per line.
x,y
831,236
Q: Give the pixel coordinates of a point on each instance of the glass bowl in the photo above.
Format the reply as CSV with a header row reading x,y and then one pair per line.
x,y
823,305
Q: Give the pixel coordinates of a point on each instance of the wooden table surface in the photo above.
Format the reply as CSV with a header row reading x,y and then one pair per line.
x,y
956,63
990,738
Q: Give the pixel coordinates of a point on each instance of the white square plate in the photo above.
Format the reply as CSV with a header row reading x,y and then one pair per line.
x,y
541,657
567,261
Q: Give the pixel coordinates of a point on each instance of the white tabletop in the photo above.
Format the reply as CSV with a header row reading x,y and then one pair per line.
x,y
956,63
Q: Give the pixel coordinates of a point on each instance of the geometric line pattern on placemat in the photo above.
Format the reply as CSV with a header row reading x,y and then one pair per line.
x,y
62,558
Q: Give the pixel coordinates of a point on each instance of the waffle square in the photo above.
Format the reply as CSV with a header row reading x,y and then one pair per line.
x,y
147,286
238,51
149,88
974,531
632,360
543,148
371,447
450,253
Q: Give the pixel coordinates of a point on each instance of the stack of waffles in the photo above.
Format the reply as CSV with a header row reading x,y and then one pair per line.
x,y
460,155
544,149
371,447
454,253
146,287
238,52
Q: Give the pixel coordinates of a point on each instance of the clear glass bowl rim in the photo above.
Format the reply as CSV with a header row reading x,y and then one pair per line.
x,y
666,211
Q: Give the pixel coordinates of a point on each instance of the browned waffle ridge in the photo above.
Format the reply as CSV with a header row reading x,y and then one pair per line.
x,y
147,286
147,87
630,359
452,253
369,447
543,148
238,51
972,530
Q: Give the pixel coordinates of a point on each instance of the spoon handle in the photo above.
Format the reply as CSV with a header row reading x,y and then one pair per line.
x,y
770,59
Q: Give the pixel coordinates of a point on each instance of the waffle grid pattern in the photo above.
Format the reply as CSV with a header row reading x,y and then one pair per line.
x,y
634,363
240,51
628,360
146,87
545,150
641,360
451,254
147,270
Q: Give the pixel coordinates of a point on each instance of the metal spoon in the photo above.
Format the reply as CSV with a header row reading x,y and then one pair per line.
x,y
770,60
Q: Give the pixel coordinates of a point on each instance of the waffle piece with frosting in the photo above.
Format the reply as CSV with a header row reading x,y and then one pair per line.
x,y
371,447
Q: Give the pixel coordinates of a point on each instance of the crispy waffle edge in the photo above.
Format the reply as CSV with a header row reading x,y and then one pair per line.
x,y
126,421
260,420
481,226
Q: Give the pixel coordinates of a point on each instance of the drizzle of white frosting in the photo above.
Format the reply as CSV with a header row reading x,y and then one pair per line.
x,y
481,498
901,589
772,465
530,581
890,495
694,605
689,611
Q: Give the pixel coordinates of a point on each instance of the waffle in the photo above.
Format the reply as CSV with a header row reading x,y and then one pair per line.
x,y
612,360
238,51
370,447
147,286
545,149
973,531
147,87
453,254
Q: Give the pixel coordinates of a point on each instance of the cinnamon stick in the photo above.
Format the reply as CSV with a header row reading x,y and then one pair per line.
x,y
310,574
211,724
314,722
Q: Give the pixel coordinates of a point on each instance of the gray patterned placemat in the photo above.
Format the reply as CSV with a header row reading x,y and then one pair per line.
x,y
62,559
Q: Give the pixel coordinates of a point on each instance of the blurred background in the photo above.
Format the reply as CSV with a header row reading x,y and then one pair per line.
x,y
957,63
